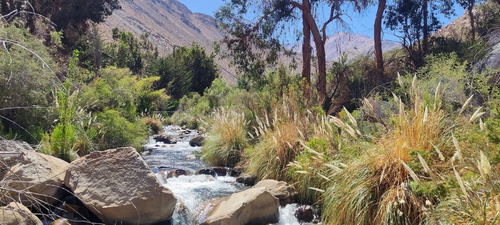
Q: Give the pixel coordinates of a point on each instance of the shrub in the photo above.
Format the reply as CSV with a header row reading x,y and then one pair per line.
x,y
116,131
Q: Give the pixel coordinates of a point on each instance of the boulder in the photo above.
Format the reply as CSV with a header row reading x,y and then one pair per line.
x,y
10,153
279,189
119,188
17,214
252,206
246,179
34,177
197,141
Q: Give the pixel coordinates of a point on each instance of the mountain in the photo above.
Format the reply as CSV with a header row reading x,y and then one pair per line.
x,y
169,24
351,44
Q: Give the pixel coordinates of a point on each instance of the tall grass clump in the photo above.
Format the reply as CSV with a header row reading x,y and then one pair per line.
x,y
376,187
226,138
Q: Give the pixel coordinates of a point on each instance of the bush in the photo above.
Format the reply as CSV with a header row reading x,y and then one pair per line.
x,y
116,131
226,138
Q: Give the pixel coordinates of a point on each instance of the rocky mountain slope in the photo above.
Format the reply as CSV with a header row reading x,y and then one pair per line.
x,y
170,23
350,44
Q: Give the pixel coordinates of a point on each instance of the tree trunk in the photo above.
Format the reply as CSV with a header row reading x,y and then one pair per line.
x,y
472,25
378,37
306,52
425,12
320,54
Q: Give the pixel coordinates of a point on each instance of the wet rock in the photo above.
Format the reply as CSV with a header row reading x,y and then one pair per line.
x,y
164,138
220,171
304,214
279,189
252,206
246,179
119,188
210,172
191,157
17,214
33,175
235,172
177,173
197,141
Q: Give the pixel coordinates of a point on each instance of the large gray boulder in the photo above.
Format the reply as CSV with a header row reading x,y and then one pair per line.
x,y
119,188
279,189
252,206
31,176
17,214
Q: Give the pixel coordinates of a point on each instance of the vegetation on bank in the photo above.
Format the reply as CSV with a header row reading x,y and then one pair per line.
x,y
104,95
416,143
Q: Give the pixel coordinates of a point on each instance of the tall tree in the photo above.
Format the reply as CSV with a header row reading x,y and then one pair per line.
x,y
275,12
378,36
469,6
306,52
416,20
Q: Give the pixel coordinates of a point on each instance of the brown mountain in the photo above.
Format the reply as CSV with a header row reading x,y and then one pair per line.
x,y
170,24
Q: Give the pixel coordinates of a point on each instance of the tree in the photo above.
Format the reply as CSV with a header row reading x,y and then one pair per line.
x,y
469,6
186,70
378,36
416,20
70,16
244,36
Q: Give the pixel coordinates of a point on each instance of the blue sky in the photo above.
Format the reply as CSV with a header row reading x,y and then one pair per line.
x,y
359,23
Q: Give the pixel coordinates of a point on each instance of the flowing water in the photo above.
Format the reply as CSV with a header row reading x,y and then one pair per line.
x,y
194,191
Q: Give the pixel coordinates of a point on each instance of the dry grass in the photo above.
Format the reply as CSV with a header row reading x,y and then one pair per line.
x,y
226,139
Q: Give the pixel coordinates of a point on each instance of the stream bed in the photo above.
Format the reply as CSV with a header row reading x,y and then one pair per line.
x,y
193,190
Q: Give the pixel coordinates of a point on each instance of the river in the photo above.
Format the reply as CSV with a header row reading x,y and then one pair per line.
x,y
193,190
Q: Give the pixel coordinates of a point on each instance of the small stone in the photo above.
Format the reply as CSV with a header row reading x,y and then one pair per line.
x,y
190,157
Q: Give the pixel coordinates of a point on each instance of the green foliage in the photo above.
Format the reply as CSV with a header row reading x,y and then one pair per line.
x,y
117,131
27,81
186,70
493,126
128,51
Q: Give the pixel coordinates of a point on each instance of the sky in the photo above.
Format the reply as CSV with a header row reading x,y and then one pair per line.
x,y
359,23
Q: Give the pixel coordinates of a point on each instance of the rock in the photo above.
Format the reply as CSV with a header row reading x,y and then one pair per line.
x,y
210,172
17,214
279,189
61,221
220,171
10,153
304,214
252,206
34,175
164,138
236,171
190,157
246,179
119,188
177,173
197,141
